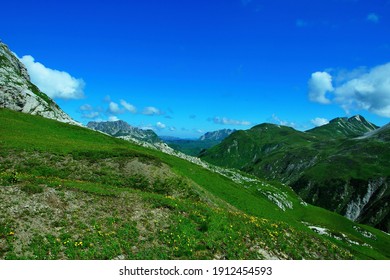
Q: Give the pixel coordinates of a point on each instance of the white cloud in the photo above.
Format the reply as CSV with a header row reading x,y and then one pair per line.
x,y
368,90
160,125
55,83
128,107
88,112
373,17
90,115
226,121
86,107
114,108
277,120
151,111
113,118
148,127
319,121
319,84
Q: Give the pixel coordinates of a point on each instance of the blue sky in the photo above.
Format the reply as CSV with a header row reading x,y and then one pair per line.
x,y
191,66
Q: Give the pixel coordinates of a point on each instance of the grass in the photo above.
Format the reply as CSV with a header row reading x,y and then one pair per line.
x,y
326,169
72,193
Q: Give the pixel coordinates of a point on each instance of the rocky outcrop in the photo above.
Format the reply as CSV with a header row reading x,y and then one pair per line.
x,y
218,135
363,201
123,129
19,94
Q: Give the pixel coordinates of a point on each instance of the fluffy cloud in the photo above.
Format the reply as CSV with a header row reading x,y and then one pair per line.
x,y
113,108
151,111
319,121
160,125
373,17
226,121
86,107
277,120
88,112
90,115
128,107
56,84
368,90
319,84
113,118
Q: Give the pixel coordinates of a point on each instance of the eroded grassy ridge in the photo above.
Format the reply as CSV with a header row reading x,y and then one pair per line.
x,y
68,219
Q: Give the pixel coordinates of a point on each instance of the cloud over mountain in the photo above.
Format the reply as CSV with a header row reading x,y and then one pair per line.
x,y
55,83
128,107
113,108
226,121
319,84
151,111
365,90
319,121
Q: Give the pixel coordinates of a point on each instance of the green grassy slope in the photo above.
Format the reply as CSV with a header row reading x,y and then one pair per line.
x,y
344,127
327,171
70,193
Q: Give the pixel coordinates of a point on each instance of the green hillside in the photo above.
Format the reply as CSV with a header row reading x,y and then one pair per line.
x,y
329,166
344,127
67,192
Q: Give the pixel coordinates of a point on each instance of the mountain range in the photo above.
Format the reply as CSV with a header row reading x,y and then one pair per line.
x,y
70,192
194,147
123,129
341,166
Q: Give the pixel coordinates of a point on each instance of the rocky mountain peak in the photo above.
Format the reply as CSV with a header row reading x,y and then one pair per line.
x,y
9,58
360,120
19,94
354,126
218,135
123,129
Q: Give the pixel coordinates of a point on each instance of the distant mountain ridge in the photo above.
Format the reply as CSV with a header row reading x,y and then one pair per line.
x,y
18,93
345,127
217,135
342,166
194,147
123,129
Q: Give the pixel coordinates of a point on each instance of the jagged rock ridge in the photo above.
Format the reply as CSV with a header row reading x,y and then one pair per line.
x,y
19,94
123,129
345,127
218,135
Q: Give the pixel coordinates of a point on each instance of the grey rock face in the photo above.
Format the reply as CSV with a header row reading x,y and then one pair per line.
x,y
218,135
19,94
123,129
